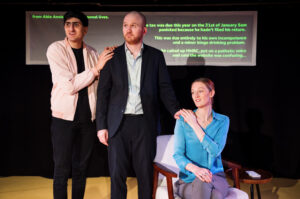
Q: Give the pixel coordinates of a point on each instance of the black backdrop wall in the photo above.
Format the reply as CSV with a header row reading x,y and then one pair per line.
x,y
261,101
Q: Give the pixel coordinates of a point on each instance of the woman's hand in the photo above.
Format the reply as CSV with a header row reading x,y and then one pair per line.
x,y
104,56
203,174
189,117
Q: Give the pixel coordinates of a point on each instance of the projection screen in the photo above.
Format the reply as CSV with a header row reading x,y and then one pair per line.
x,y
185,38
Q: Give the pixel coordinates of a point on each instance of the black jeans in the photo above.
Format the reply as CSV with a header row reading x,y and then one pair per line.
x,y
72,146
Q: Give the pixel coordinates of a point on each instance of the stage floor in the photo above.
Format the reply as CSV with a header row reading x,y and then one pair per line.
x,y
28,187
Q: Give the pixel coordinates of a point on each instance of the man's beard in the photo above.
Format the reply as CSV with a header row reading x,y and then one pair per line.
x,y
133,40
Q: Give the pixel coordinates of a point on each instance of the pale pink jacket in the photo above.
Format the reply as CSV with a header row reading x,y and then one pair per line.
x,y
66,81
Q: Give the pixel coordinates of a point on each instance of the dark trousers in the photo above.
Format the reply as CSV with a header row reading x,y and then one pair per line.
x,y
72,147
133,146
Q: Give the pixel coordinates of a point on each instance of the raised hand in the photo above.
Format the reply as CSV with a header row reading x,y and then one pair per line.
x,y
104,56
189,117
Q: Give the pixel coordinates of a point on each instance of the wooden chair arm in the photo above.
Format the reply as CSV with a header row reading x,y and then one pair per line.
x,y
158,168
164,170
230,164
233,169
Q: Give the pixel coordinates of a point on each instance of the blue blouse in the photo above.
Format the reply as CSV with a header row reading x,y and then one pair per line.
x,y
205,154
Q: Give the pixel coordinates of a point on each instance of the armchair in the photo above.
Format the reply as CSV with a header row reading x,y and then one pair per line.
x,y
166,172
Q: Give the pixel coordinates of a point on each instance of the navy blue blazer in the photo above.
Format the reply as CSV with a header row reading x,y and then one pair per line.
x,y
112,90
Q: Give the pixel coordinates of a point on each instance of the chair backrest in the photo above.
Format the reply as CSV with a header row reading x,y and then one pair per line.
x,y
165,151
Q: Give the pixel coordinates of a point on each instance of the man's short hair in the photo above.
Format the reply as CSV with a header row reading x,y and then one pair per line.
x,y
140,14
77,14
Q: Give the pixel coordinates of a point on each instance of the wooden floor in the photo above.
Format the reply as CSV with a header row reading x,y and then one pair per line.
x,y
41,188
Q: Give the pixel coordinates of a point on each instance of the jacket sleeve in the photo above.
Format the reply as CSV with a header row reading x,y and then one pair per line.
x,y
62,76
166,91
103,94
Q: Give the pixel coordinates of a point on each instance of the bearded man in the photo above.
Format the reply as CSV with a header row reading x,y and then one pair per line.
x,y
127,112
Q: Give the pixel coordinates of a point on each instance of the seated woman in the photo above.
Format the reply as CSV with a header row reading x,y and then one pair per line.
x,y
200,137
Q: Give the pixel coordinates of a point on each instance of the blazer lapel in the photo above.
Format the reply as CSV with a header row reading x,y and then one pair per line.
x,y
121,58
145,58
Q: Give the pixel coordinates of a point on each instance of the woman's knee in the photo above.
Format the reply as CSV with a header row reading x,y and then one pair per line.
x,y
215,194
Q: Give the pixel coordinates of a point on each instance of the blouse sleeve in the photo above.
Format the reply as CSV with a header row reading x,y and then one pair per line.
x,y
179,146
214,146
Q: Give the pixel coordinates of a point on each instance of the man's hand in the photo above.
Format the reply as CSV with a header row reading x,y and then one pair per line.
x,y
104,56
177,114
103,136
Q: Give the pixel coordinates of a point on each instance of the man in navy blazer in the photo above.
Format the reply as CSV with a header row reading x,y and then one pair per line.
x,y
127,113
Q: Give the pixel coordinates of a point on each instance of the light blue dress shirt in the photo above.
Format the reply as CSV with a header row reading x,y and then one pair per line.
x,y
205,154
134,104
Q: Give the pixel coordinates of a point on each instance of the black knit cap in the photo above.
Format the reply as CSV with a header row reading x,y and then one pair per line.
x,y
77,14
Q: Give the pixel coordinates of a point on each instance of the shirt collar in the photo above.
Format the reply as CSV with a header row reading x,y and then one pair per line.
x,y
127,49
214,115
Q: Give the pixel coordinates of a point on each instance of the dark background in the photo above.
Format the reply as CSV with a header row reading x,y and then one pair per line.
x,y
261,101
